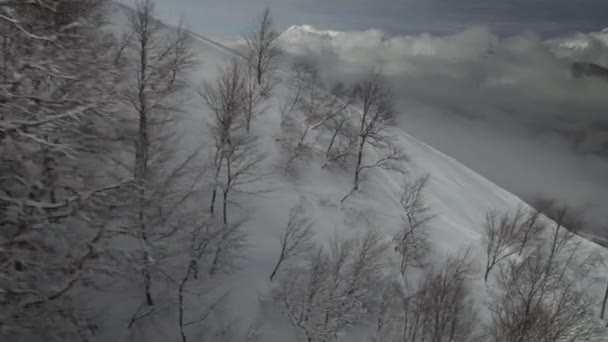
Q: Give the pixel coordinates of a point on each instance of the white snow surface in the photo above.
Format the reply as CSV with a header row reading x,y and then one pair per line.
x,y
457,195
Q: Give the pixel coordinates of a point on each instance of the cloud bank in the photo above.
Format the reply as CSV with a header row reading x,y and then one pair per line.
x,y
509,107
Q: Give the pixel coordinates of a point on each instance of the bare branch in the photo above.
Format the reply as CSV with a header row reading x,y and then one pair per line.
x,y
296,239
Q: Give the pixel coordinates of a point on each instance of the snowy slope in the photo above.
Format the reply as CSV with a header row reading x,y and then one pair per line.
x,y
457,195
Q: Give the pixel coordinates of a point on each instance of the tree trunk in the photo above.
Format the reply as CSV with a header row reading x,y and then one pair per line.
x,y
216,260
359,161
604,302
259,70
524,242
214,193
333,140
279,262
227,189
180,296
141,163
225,207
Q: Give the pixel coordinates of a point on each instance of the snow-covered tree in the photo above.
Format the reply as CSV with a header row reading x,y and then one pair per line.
x,y
57,84
543,297
439,308
154,61
336,292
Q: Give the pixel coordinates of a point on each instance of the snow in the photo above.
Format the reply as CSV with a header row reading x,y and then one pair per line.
x,y
582,41
456,194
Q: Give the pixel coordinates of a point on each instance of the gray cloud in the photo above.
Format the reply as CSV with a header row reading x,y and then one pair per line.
x,y
548,17
509,108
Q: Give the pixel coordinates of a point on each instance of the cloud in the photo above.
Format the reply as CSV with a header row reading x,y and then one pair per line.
x,y
512,76
508,107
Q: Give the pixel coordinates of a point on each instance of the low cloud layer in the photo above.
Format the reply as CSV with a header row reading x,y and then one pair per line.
x,y
509,107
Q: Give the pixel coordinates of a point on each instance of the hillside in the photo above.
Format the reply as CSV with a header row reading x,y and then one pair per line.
x,y
195,243
459,197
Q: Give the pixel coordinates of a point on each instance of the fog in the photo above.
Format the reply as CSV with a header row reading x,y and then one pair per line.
x,y
508,107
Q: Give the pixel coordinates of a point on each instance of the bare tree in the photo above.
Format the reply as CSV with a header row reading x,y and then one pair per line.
x,y
262,50
337,121
55,194
155,61
255,95
531,229
540,301
203,245
303,73
377,112
314,110
236,157
388,316
296,239
412,240
543,298
226,100
298,120
440,307
502,235
392,160
337,290
242,164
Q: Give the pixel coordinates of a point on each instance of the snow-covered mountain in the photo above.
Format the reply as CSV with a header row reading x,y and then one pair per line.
x,y
297,32
582,41
458,197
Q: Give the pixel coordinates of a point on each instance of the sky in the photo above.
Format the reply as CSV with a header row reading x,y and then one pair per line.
x,y
223,18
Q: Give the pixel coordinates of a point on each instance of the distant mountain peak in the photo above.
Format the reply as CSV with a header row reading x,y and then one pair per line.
x,y
298,31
